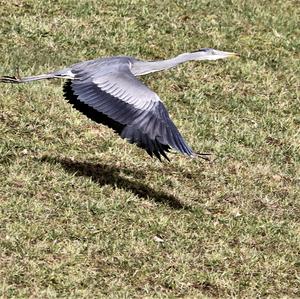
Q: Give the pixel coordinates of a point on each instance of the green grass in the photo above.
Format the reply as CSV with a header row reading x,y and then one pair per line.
x,y
82,213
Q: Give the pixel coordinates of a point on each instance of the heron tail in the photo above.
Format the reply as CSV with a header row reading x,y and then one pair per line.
x,y
13,79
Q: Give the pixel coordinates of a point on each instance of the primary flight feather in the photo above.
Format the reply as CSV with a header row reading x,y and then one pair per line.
x,y
107,91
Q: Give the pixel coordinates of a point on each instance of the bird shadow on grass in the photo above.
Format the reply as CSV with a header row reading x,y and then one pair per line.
x,y
104,174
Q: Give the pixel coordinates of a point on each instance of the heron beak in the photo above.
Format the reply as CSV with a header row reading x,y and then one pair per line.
x,y
223,54
232,54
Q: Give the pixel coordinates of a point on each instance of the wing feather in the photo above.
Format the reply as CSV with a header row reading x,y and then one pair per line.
x,y
119,100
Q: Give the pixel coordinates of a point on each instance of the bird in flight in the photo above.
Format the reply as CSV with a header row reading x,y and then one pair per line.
x,y
107,91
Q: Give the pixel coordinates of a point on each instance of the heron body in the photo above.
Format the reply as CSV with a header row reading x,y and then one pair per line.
x,y
107,91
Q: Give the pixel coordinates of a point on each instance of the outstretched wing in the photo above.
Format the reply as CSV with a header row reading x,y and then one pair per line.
x,y
119,100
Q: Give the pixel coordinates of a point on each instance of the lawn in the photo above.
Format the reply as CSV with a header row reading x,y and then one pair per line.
x,y
83,214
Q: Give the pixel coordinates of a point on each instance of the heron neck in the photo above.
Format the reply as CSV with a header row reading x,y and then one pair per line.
x,y
147,67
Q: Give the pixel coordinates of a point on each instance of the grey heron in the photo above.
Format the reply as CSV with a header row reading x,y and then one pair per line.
x,y
107,91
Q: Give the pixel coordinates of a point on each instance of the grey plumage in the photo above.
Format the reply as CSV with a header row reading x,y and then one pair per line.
x,y
107,91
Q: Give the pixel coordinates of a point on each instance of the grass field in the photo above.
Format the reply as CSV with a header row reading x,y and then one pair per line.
x,y
83,214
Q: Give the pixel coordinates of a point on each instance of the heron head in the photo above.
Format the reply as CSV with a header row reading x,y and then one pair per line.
x,y
212,54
